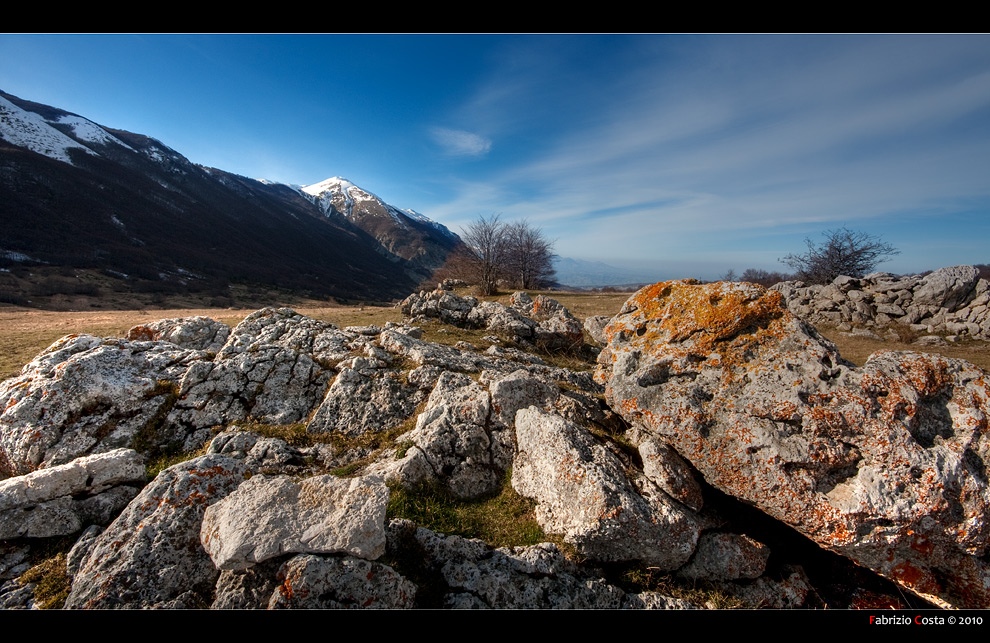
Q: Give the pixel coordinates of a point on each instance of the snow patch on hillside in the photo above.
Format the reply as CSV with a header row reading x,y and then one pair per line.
x,y
89,131
27,129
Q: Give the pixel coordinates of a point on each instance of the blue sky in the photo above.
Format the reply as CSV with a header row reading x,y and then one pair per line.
x,y
680,155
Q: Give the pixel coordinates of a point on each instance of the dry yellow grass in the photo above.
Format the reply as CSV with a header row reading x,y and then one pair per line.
x,y
25,332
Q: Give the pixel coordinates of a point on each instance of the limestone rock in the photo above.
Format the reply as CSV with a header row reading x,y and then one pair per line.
x,y
452,441
196,333
314,582
476,575
721,556
357,403
274,367
151,555
582,492
595,327
86,395
884,464
947,287
270,516
670,472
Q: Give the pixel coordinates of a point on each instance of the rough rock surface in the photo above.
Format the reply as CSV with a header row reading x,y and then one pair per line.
x,y
151,555
268,516
476,576
583,492
885,464
370,401
196,333
85,395
314,582
722,556
543,321
723,387
275,367
950,300
63,499
452,441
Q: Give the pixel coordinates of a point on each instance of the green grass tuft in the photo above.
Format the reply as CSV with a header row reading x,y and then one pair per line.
x,y
504,520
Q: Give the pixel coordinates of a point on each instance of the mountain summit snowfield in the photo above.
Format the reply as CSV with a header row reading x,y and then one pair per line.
x,y
350,200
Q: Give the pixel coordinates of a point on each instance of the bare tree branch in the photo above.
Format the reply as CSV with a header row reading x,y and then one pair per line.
x,y
845,252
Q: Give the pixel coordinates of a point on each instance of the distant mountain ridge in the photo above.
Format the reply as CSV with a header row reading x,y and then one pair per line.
x,y
589,274
77,194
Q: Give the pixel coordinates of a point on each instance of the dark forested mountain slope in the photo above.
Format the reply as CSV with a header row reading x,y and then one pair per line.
x,y
73,193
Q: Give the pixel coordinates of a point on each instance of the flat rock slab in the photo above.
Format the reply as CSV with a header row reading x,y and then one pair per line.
x,y
63,499
268,516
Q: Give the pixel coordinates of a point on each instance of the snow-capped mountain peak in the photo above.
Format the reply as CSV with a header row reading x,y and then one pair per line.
x,y
344,195
354,202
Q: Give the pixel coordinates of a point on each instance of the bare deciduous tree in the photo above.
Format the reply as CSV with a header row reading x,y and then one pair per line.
x,y
844,252
763,277
487,239
515,252
529,256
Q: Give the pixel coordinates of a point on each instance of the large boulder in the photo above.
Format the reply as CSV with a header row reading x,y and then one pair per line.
x,y
86,395
947,287
275,367
885,464
151,555
583,492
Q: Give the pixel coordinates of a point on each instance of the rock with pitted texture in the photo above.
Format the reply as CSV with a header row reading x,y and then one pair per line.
x,y
151,555
316,582
582,491
196,333
87,395
63,499
275,367
268,516
885,464
477,576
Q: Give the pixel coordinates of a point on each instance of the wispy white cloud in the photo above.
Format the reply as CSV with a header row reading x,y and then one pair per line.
x,y
460,143
741,135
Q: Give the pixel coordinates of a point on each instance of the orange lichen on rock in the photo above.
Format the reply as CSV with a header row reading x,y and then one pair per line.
x,y
885,464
